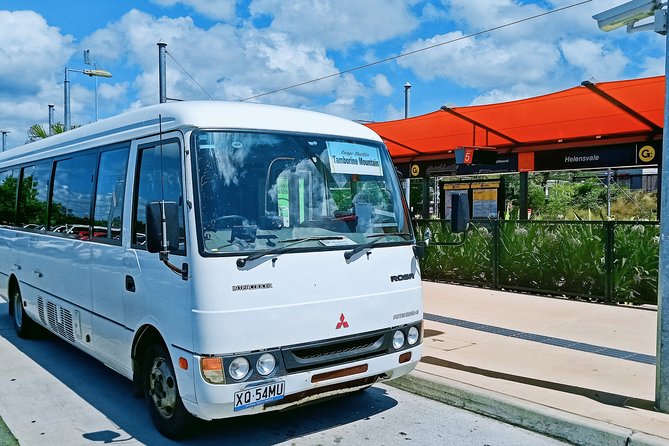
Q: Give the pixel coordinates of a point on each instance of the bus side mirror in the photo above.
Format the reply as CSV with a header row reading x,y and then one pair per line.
x,y
419,250
162,227
459,212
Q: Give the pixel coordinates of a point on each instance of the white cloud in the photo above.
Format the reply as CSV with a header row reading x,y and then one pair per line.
x,y
481,63
33,56
338,23
392,113
653,66
239,62
382,86
593,60
215,9
31,43
532,57
116,91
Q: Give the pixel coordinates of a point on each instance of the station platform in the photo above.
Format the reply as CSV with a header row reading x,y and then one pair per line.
x,y
578,371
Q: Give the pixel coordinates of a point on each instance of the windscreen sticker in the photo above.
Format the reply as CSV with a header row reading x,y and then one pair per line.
x,y
344,241
354,159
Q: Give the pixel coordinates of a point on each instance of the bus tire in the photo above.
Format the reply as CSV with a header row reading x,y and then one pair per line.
x,y
25,327
162,394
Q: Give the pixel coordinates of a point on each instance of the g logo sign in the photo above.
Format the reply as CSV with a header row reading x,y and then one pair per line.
x,y
647,153
415,170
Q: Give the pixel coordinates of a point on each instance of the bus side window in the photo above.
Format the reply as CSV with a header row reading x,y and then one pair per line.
x,y
33,196
158,180
71,196
8,184
109,194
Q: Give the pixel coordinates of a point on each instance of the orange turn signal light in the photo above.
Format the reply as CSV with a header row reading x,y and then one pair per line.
x,y
183,363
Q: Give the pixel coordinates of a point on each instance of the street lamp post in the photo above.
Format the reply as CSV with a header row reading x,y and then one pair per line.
x,y
628,14
407,181
66,87
51,119
4,139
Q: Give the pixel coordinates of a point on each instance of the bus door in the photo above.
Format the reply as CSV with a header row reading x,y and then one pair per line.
x,y
161,296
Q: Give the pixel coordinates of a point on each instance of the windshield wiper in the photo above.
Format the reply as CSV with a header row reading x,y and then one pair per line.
x,y
282,249
377,239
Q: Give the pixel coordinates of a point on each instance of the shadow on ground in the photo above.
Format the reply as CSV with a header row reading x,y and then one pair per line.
x,y
111,394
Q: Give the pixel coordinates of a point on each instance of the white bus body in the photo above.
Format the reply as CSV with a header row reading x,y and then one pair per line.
x,y
293,241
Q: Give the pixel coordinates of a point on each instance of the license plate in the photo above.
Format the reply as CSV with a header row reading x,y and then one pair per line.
x,y
254,396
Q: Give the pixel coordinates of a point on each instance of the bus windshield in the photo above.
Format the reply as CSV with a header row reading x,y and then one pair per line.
x,y
260,191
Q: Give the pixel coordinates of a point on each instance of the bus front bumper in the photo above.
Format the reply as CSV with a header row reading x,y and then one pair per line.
x,y
216,401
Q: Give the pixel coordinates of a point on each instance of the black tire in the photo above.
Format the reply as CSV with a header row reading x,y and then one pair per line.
x,y
25,327
162,394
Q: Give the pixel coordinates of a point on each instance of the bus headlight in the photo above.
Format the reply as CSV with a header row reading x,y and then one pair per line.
x,y
266,364
412,336
398,340
239,368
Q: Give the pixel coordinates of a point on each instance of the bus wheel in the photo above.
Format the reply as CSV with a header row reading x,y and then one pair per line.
x,y
24,326
162,394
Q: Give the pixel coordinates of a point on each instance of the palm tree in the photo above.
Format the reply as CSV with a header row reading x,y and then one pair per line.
x,y
37,131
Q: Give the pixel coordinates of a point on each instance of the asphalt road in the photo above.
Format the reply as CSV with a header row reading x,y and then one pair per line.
x,y
53,394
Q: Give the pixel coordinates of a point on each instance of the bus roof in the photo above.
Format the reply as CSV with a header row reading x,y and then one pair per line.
x,y
170,116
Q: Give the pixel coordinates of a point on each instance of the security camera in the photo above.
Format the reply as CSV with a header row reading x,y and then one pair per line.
x,y
626,14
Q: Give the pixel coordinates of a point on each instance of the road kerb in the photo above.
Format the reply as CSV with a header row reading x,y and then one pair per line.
x,y
545,420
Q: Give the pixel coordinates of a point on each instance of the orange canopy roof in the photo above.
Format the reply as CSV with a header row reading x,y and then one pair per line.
x,y
583,116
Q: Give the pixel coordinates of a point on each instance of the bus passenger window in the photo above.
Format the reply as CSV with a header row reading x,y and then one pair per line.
x,y
158,180
108,216
8,183
70,211
33,196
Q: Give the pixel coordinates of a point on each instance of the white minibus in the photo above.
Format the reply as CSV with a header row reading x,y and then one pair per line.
x,y
229,258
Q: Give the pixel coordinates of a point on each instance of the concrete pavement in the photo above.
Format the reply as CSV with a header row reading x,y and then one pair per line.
x,y
578,371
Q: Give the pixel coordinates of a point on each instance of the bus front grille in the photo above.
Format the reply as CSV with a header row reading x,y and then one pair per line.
x,y
335,351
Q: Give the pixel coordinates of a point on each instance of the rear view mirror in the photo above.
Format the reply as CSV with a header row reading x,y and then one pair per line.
x,y
459,212
270,222
162,227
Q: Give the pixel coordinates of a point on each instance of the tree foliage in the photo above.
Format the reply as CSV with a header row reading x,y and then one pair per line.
x,y
37,131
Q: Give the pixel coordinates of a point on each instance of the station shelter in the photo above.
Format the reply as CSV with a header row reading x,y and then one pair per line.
x,y
599,125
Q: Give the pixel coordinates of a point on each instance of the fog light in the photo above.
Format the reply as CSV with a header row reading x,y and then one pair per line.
x,y
412,337
212,370
398,340
265,364
239,368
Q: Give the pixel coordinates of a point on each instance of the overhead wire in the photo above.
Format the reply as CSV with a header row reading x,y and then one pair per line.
x,y
409,53
189,75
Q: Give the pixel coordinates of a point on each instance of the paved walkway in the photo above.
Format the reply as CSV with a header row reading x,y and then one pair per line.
x,y
582,372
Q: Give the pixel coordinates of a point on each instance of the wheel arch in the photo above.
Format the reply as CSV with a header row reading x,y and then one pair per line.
x,y
12,286
146,336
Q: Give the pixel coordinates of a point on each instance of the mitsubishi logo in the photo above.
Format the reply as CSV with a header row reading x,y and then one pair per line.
x,y
342,322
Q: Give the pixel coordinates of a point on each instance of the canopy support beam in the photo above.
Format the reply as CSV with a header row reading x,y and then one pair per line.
x,y
478,124
417,152
630,111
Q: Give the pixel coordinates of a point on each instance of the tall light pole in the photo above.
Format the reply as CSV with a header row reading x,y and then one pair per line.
x,y
407,182
88,61
162,81
407,98
66,87
51,119
629,14
4,139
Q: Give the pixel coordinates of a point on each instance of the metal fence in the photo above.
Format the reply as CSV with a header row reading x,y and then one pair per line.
x,y
608,261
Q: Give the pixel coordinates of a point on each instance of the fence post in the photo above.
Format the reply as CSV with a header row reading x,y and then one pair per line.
x,y
495,253
608,260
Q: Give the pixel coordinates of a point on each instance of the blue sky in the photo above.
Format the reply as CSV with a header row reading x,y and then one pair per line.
x,y
237,49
